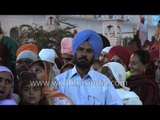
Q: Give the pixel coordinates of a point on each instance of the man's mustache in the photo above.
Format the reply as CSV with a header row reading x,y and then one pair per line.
x,y
84,58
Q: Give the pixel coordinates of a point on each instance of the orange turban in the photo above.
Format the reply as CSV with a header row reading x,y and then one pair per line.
x,y
31,47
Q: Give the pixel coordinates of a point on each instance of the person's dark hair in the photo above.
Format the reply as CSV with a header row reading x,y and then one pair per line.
x,y
137,40
38,62
145,58
1,31
146,43
25,78
143,55
106,42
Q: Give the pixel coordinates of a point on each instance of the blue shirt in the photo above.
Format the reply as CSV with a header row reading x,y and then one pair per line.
x,y
93,89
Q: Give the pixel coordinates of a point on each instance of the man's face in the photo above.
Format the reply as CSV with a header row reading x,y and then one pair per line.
x,y
67,58
6,85
103,57
84,57
22,65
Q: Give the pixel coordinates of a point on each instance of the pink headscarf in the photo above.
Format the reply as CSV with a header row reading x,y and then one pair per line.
x,y
66,45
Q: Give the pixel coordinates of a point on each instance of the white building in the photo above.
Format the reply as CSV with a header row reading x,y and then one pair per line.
x,y
112,26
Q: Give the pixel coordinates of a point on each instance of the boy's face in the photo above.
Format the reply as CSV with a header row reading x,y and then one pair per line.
x,y
31,94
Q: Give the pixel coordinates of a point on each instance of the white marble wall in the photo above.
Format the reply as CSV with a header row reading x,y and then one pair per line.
x,y
9,21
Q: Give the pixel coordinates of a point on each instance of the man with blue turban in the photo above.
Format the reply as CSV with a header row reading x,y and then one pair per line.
x,y
83,84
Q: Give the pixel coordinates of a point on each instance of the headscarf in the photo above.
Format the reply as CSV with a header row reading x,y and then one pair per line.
x,y
50,89
66,45
28,54
119,73
29,46
121,52
5,69
49,73
49,55
106,49
92,37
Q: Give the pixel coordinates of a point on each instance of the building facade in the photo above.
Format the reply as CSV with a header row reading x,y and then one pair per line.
x,y
114,27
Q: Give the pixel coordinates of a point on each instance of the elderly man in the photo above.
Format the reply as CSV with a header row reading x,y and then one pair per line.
x,y
83,84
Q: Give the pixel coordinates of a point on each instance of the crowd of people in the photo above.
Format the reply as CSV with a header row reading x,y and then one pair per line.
x,y
91,73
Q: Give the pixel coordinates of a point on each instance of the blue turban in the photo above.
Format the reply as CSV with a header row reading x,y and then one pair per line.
x,y
92,37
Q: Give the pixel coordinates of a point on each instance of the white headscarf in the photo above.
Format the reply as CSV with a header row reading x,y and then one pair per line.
x,y
118,72
7,101
106,49
5,69
49,55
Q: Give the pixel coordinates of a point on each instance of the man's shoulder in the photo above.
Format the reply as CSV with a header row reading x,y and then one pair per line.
x,y
99,75
63,75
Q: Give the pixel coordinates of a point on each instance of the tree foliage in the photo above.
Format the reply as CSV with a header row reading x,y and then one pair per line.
x,y
43,38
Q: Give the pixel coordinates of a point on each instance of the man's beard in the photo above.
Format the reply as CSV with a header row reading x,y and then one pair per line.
x,y
83,62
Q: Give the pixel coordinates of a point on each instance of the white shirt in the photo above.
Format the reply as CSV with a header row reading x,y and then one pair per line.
x,y
93,89
129,97
143,33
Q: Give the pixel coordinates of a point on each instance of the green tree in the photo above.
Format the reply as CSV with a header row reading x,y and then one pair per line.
x,y
43,38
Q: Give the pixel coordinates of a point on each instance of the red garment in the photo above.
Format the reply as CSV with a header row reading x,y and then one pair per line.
x,y
155,54
146,88
155,45
121,52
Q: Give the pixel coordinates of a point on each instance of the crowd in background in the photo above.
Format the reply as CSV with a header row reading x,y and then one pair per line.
x,y
89,71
